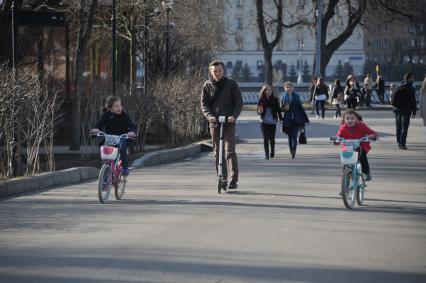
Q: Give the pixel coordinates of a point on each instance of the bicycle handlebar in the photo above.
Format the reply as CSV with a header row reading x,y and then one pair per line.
x,y
340,139
114,137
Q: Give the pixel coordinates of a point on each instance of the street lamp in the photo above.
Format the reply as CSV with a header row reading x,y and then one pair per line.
x,y
155,13
167,5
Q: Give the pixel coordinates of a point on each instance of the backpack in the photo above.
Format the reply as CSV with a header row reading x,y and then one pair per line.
x,y
401,97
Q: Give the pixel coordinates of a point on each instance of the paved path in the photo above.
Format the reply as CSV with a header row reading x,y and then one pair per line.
x,y
284,224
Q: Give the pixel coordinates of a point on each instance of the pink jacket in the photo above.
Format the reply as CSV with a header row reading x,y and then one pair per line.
x,y
359,130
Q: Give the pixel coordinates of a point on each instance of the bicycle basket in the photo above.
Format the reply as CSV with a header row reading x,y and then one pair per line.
x,y
348,156
109,152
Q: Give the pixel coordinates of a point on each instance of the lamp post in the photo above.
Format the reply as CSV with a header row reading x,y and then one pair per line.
x,y
318,39
145,48
114,46
167,5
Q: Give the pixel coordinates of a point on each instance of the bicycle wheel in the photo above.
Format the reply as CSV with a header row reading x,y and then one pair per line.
x,y
360,196
104,186
219,186
348,193
120,186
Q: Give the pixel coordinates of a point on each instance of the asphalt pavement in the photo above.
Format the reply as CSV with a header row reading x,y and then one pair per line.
x,y
285,223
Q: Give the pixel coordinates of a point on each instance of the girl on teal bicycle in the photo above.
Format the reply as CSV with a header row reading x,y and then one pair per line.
x,y
352,127
117,122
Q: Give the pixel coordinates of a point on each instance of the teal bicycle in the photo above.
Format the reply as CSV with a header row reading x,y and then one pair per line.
x,y
353,180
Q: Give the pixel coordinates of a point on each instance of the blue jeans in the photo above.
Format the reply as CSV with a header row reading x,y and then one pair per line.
x,y
292,137
402,122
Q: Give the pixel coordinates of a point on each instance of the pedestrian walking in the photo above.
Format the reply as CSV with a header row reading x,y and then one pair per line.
x,y
270,112
368,85
404,107
352,93
380,86
311,94
221,96
337,98
321,96
423,101
295,117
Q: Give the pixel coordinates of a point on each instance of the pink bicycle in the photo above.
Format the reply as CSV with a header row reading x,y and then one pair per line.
x,y
110,174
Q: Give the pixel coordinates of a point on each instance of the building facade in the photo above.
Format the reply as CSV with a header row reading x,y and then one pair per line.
x,y
296,49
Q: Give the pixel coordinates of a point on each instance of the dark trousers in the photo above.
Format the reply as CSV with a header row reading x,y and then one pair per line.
x,y
338,111
364,162
123,153
402,122
318,104
352,103
268,132
368,98
230,161
381,95
292,137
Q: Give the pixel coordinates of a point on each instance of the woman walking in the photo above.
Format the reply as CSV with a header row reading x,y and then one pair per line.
x,y
380,85
352,93
320,96
269,110
337,98
294,118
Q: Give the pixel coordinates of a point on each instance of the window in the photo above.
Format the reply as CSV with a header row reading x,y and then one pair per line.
x,y
239,3
412,29
368,42
377,28
280,45
239,23
412,42
259,43
377,43
239,42
385,28
385,43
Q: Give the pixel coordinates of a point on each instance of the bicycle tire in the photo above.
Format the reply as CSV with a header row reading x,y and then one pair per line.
x,y
120,187
348,194
104,185
219,186
360,196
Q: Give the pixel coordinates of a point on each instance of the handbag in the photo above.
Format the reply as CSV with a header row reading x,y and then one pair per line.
x,y
302,137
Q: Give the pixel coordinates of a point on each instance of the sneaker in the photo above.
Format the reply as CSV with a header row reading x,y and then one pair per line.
x,y
224,185
403,147
266,157
317,117
272,155
233,185
368,177
125,171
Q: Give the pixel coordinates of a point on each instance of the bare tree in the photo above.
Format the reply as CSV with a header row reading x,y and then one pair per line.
x,y
85,21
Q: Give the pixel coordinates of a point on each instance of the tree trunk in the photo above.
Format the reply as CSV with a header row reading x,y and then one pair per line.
x,y
84,32
267,55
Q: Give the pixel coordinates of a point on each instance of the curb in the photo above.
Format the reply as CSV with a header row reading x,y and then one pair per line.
x,y
167,155
47,180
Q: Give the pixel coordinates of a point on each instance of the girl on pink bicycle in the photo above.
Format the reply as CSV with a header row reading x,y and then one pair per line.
x,y
115,121
353,128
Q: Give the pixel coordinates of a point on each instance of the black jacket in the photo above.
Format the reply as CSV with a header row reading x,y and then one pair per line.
x,y
272,103
116,124
321,90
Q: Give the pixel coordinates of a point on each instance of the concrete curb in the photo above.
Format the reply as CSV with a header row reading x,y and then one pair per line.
x,y
47,180
167,155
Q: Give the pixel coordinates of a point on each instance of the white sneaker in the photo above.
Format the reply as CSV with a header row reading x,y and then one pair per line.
x,y
316,117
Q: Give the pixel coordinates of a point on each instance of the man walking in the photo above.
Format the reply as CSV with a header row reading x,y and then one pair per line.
x,y
368,85
221,96
404,104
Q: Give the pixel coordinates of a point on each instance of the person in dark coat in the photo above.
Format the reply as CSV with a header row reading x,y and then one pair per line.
x,y
295,117
115,121
270,112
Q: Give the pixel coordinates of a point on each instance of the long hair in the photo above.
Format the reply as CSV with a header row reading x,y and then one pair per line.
x,y
262,93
